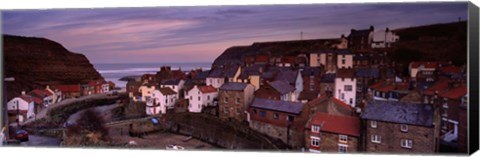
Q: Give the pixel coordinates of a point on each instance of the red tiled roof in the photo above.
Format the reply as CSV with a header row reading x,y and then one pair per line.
x,y
341,103
425,64
95,82
41,92
450,69
110,83
455,93
261,58
317,100
345,125
37,100
27,98
178,74
376,85
68,88
438,86
386,88
207,89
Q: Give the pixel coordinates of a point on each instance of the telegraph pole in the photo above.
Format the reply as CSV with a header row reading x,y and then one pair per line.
x,y
301,35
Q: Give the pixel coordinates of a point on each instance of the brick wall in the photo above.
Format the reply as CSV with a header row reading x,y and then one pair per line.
x,y
422,138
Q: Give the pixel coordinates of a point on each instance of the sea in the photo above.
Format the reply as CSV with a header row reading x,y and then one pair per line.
x,y
114,71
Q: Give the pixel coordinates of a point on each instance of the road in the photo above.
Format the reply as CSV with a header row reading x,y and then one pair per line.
x,y
35,140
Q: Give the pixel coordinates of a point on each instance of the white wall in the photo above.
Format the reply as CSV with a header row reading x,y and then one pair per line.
x,y
348,61
215,82
22,106
347,95
196,105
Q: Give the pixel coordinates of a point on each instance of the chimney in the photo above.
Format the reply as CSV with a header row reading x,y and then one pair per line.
x,y
387,30
343,36
371,27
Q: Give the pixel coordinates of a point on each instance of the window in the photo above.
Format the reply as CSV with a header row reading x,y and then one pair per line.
x,y
315,128
342,148
275,115
342,96
290,118
238,111
198,98
406,143
254,111
315,141
373,124
403,128
238,101
225,99
351,101
225,109
191,97
208,97
263,113
343,61
343,138
376,139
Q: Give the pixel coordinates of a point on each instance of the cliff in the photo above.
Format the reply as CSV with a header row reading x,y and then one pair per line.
x,y
37,62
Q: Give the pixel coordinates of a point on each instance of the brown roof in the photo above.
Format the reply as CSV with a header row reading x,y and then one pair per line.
x,y
455,93
345,73
308,95
207,89
27,98
345,125
167,91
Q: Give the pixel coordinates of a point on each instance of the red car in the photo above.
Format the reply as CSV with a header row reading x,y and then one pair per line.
x,y
21,135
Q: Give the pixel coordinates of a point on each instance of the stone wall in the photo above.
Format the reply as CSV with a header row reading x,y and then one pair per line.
x,y
329,142
422,137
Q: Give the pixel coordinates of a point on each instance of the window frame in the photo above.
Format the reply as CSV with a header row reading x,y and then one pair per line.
x,y
376,139
343,138
406,143
403,127
373,124
315,129
342,146
315,139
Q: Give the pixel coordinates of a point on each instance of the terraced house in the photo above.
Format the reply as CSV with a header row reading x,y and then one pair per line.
x,y
233,100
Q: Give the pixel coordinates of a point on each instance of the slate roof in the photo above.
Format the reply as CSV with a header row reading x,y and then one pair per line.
x,y
226,71
399,112
201,75
315,71
367,72
276,105
357,33
281,86
345,125
233,86
251,70
171,82
290,76
167,91
328,78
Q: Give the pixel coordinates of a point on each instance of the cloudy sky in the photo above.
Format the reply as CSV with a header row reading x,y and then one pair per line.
x,y
200,34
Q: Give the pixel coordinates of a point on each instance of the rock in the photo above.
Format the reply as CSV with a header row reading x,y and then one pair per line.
x,y
37,62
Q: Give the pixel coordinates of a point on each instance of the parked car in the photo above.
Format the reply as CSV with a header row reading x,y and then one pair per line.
x,y
21,135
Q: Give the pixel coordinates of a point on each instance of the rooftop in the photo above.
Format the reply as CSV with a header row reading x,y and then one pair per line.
x,y
455,93
345,125
233,86
167,91
281,86
276,105
399,112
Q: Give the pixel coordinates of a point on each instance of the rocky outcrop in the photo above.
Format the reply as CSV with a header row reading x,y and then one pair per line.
x,y
37,62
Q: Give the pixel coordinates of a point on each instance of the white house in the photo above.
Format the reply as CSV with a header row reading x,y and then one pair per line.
x,y
425,67
105,87
21,107
345,84
384,38
175,84
200,97
161,100
57,94
344,59
42,97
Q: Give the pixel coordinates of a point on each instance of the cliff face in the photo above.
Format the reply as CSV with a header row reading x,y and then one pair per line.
x,y
37,62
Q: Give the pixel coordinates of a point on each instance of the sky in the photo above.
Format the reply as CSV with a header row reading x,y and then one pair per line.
x,y
201,33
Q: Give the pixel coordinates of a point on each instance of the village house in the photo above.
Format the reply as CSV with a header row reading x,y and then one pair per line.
x,y
21,108
279,119
201,96
252,75
306,96
327,84
384,38
332,133
344,59
276,90
463,126
111,85
146,91
220,75
69,91
398,127
324,58
449,105
365,77
176,85
301,60
426,68
42,98
287,61
311,78
346,86
233,100
294,78
361,60
132,89
329,105
389,90
161,100
98,86
57,94
360,40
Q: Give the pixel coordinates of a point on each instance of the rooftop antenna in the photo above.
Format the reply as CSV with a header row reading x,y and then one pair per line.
x,y
301,35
